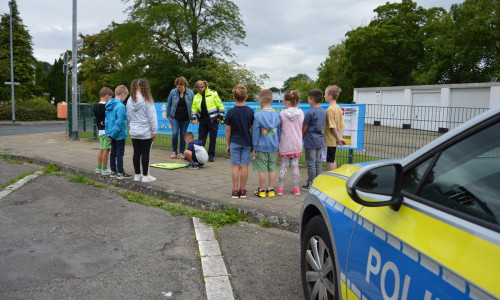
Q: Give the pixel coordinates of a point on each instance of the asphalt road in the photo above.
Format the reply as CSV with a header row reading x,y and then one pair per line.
x,y
29,127
65,240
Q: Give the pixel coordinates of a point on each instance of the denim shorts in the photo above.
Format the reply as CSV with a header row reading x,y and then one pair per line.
x,y
240,155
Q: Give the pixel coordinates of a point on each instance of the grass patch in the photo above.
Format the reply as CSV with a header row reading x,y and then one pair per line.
x,y
81,179
12,181
51,168
266,224
217,219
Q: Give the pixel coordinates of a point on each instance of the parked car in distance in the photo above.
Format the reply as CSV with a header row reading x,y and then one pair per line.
x,y
423,227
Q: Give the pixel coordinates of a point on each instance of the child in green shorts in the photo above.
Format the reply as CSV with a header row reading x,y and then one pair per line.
x,y
265,139
104,144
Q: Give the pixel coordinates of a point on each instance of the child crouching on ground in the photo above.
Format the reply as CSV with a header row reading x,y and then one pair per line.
x,y
196,154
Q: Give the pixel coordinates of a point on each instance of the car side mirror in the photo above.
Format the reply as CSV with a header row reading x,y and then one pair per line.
x,y
377,185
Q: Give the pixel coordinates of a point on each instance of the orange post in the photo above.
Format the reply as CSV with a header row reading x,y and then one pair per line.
x,y
62,110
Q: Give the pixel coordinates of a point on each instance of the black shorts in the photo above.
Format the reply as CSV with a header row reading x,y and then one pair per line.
x,y
330,154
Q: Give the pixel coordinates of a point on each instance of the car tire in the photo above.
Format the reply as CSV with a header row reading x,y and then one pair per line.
x,y
318,269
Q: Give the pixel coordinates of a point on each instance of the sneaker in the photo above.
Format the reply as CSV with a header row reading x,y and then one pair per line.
x,y
137,177
192,166
112,174
296,191
270,193
211,159
306,187
148,178
280,191
107,172
260,193
98,171
123,175
235,194
243,193
201,165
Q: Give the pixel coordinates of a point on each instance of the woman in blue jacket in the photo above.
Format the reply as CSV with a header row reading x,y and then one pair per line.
x,y
179,104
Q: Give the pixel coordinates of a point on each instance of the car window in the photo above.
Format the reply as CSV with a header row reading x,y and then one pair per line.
x,y
465,176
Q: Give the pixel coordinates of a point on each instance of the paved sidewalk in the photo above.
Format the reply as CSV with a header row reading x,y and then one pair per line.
x,y
206,188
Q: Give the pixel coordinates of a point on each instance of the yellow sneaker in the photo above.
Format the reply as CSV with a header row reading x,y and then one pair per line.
x,y
270,193
260,193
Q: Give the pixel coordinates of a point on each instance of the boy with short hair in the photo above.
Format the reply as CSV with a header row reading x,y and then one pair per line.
x,y
334,126
116,131
195,154
312,132
104,145
265,138
239,120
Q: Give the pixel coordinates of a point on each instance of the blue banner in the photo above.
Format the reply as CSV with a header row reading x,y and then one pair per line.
x,y
354,115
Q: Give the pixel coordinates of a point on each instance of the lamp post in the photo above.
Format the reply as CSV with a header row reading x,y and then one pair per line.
x,y
74,112
11,3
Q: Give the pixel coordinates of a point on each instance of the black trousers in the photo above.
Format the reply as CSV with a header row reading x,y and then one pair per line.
x,y
206,127
142,148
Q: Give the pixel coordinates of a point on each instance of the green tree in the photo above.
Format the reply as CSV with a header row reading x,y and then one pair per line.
x,y
56,82
387,51
222,76
332,72
287,84
24,61
190,27
476,39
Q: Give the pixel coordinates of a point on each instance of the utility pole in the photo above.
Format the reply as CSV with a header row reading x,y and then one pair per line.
x,y
66,70
11,3
74,112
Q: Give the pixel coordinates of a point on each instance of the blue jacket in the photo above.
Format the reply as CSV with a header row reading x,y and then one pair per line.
x,y
116,120
173,100
266,131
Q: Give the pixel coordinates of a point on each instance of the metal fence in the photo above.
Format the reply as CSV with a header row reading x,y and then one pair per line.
x,y
391,131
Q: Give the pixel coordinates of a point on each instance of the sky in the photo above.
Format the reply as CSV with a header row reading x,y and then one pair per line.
x,y
284,37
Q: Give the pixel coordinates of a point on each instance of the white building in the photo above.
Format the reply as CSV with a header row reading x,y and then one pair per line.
x,y
427,107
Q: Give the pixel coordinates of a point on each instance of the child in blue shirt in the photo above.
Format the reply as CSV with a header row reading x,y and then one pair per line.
x,y
266,139
312,131
196,154
116,131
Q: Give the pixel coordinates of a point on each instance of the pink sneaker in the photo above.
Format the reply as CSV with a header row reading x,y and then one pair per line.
x,y
280,191
296,191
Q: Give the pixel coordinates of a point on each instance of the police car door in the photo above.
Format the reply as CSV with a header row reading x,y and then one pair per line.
x,y
444,241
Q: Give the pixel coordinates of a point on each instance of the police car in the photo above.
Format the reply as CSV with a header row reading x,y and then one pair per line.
x,y
424,227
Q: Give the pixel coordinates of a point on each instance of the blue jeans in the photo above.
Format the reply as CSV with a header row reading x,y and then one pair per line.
x,y
116,156
179,127
313,161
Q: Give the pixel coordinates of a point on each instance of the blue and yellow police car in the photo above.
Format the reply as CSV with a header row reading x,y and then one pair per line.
x,y
424,227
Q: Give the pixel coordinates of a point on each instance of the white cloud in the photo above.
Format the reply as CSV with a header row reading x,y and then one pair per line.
x,y
284,37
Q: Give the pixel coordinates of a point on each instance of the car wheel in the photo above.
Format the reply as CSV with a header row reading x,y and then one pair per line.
x,y
319,273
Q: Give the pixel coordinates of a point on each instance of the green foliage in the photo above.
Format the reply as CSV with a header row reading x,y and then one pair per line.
x,y
303,86
332,72
222,76
50,168
408,45
266,224
189,28
24,61
225,217
287,84
35,109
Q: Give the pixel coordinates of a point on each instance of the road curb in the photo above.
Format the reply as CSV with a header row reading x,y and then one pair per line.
x,y
283,222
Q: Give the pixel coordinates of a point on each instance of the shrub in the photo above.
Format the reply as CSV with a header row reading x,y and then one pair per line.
x,y
35,109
